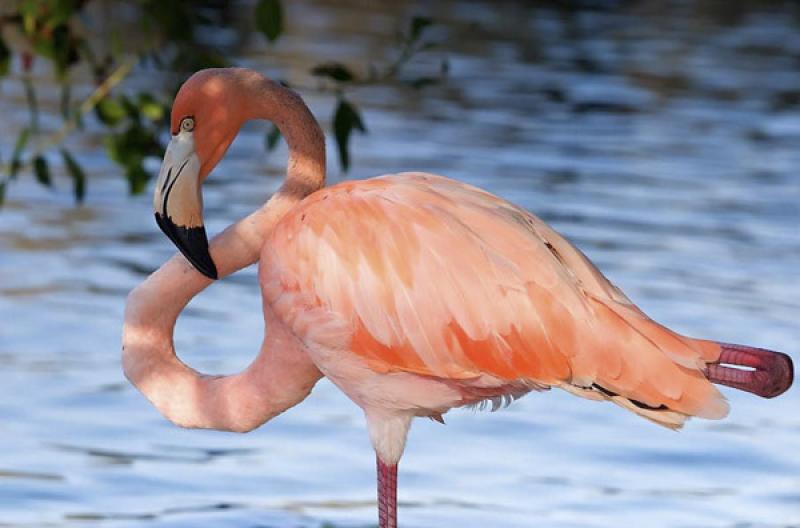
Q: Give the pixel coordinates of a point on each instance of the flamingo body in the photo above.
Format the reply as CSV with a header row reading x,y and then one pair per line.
x,y
411,292
441,295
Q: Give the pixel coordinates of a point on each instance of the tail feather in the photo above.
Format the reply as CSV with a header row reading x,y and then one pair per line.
x,y
762,372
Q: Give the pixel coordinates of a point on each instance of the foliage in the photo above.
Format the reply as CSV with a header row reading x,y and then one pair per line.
x,y
135,122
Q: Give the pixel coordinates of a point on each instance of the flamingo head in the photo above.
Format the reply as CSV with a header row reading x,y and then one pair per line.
x,y
206,117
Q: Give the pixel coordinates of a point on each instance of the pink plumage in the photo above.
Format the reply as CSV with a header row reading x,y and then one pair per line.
x,y
412,293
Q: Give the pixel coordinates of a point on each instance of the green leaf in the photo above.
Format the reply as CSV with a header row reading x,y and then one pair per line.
x,y
109,111
60,11
137,178
76,173
334,70
269,18
2,192
418,25
131,108
345,119
272,138
42,171
28,9
5,58
150,107
16,156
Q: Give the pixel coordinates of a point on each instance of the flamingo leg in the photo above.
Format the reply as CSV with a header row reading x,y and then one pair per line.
x,y
387,495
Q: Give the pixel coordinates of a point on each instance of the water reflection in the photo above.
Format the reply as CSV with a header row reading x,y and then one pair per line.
x,y
661,140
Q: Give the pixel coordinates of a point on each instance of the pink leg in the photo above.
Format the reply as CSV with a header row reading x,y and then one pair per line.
x,y
387,495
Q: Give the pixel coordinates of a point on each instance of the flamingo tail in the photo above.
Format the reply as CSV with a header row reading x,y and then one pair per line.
x,y
762,372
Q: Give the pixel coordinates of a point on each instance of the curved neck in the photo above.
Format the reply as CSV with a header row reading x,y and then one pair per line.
x,y
283,374
274,102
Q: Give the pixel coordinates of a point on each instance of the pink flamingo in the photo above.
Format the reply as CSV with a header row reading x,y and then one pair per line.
x,y
411,292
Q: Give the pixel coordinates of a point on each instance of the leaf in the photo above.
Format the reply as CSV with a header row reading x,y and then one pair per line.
x,y
334,70
76,173
422,82
109,111
28,10
64,99
418,25
42,171
345,119
137,178
2,192
131,108
63,49
150,107
272,138
269,18
5,58
59,11
16,157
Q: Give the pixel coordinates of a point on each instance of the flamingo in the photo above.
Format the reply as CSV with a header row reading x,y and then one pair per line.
x,y
412,293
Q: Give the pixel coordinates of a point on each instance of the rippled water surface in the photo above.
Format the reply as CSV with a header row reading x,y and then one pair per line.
x,y
664,144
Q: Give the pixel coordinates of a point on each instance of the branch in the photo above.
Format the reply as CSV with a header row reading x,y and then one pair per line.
x,y
57,138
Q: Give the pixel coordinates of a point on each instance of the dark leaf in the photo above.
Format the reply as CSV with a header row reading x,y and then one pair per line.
x,y
422,82
16,156
345,119
137,178
131,108
269,18
64,50
129,148
76,173
33,104
172,17
64,99
333,70
190,58
42,171
2,192
418,25
5,58
272,138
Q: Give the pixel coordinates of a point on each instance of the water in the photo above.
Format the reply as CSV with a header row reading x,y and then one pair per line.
x,y
663,143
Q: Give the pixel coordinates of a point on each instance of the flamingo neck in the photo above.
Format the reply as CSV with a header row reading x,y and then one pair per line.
x,y
287,111
282,375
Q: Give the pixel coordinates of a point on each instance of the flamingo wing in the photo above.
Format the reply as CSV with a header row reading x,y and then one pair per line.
x,y
434,277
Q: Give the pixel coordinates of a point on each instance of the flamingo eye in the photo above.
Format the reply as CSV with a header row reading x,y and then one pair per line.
x,y
187,124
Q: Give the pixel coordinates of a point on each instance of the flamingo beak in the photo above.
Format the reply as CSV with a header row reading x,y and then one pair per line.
x,y
178,203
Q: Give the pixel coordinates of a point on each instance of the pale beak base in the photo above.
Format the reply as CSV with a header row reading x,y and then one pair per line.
x,y
178,204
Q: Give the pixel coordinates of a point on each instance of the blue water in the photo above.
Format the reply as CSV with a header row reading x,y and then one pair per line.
x,y
664,143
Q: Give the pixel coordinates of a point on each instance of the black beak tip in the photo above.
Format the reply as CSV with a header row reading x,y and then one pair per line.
x,y
192,242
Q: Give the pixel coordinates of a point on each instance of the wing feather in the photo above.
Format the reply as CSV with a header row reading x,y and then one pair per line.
x,y
435,277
